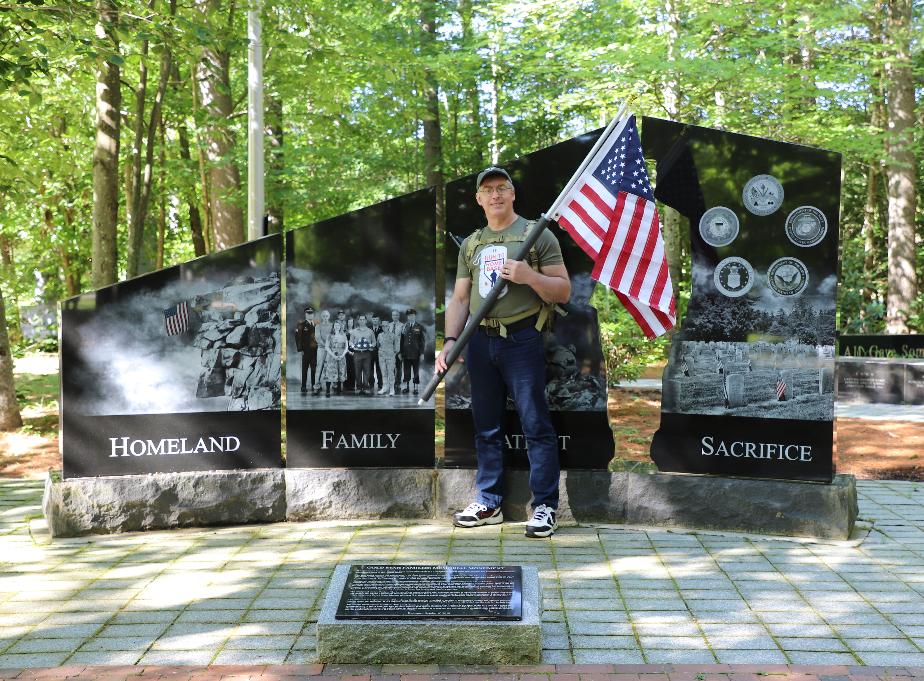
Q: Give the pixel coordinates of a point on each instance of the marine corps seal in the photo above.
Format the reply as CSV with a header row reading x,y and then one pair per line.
x,y
762,194
806,226
718,226
787,276
733,277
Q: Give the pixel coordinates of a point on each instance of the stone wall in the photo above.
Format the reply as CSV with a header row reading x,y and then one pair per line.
x,y
239,338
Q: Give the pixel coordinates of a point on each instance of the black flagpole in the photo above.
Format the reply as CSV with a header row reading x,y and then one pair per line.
x,y
501,284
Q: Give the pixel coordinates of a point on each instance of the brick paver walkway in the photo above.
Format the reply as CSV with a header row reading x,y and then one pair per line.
x,y
567,672
612,595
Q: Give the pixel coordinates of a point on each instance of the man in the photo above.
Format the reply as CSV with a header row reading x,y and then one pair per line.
x,y
307,344
413,341
376,362
397,328
388,345
322,333
506,354
362,342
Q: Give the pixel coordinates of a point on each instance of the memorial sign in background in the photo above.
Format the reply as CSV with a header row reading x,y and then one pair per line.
x,y
176,370
464,592
575,369
749,385
365,268
881,369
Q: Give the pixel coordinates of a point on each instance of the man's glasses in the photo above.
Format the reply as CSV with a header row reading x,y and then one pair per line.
x,y
491,191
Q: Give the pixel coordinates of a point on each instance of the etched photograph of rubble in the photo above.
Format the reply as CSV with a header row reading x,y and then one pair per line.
x,y
199,337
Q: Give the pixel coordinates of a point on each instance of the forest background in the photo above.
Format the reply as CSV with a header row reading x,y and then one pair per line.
x,y
123,123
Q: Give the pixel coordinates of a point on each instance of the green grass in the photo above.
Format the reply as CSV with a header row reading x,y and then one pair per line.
x,y
39,390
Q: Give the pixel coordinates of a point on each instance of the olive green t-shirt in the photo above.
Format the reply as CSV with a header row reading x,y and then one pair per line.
x,y
488,259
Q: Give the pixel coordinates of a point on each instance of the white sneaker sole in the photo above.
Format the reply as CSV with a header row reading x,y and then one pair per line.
x,y
541,534
493,520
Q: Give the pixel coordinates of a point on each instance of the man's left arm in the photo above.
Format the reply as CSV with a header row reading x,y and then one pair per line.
x,y
551,282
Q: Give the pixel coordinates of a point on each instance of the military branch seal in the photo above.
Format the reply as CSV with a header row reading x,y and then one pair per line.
x,y
806,226
762,194
733,277
718,226
787,276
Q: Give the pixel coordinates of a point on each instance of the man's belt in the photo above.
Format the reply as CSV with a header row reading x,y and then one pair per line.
x,y
494,328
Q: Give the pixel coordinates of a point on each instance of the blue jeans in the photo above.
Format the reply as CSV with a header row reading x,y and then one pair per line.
x,y
515,365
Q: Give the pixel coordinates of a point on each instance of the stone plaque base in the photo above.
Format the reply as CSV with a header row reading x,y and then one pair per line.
x,y
430,641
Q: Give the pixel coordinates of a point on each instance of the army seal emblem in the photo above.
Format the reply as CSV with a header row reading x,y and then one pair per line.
x,y
718,226
806,226
787,276
762,194
733,277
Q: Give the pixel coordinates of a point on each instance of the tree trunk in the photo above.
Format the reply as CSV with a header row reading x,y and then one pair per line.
x,y
195,219
903,285
162,198
671,228
106,154
9,408
133,197
471,90
189,193
672,36
433,145
227,217
274,134
871,211
143,193
869,225
207,233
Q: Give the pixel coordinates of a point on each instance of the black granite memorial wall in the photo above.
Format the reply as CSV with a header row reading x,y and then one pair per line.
x,y
176,370
749,386
575,368
361,321
880,369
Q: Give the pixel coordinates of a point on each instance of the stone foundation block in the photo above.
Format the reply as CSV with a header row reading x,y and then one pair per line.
x,y
130,503
782,507
359,493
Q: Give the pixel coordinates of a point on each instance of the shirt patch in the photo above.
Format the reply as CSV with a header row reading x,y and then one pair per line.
x,y
490,263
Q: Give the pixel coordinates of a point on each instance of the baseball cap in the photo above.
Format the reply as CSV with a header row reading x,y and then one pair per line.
x,y
492,170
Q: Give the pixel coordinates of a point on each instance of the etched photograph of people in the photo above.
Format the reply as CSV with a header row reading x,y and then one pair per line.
x,y
199,337
361,314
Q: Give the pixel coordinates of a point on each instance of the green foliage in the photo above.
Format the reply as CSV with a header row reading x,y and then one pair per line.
x,y
513,77
626,350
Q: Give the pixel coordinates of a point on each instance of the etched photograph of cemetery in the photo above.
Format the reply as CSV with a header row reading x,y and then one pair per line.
x,y
789,380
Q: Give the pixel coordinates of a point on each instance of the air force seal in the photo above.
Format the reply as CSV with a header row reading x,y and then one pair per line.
x,y
718,226
806,226
733,277
787,276
762,194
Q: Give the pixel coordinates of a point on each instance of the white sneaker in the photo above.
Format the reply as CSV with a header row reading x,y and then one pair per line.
x,y
542,524
476,514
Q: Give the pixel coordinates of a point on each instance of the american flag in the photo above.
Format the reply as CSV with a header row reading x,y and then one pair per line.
x,y
780,387
610,212
176,319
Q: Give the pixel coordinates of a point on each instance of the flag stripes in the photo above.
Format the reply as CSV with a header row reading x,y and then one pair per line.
x,y
610,213
176,319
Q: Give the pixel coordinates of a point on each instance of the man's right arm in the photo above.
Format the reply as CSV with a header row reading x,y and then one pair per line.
x,y
456,315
